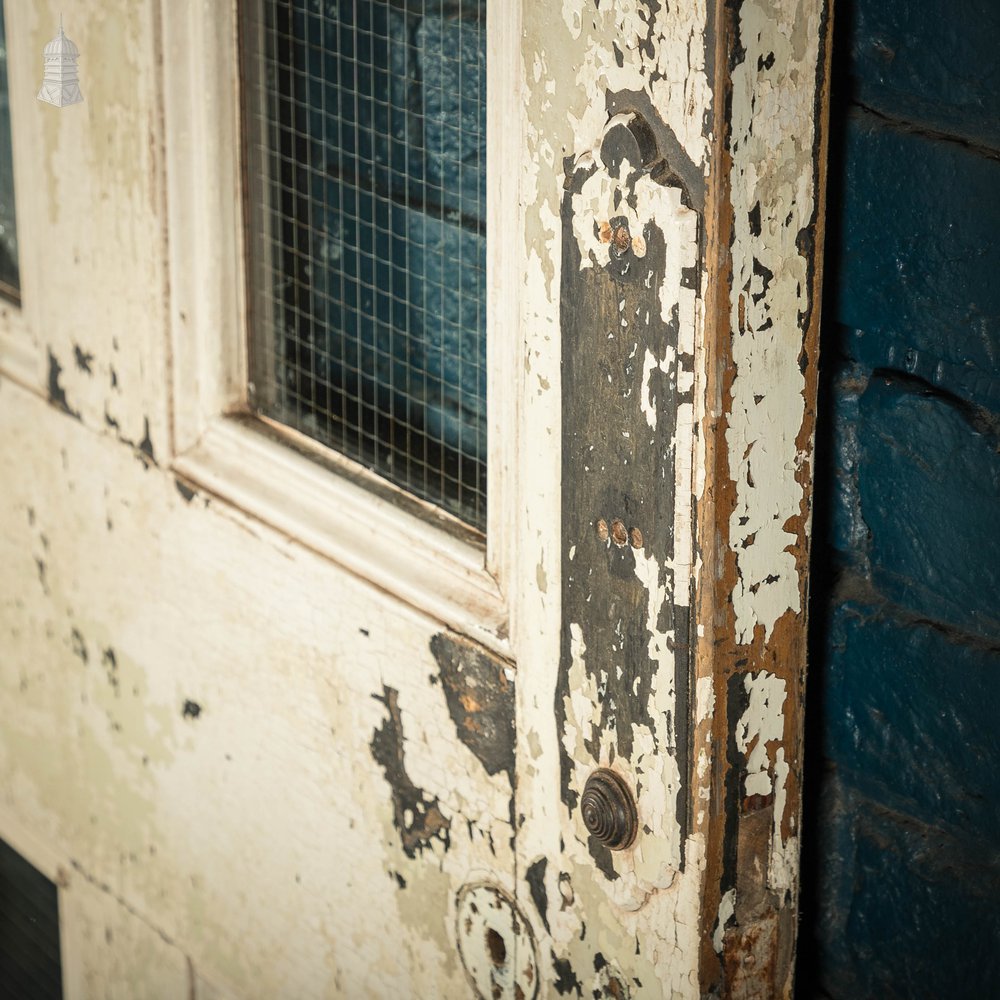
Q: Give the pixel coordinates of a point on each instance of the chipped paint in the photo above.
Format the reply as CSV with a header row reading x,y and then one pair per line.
x,y
760,727
629,264
764,378
480,699
634,268
772,185
416,816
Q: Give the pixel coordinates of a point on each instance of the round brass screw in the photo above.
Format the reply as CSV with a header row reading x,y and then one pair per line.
x,y
608,809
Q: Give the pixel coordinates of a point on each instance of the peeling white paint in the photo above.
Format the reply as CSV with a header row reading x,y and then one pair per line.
x,y
762,723
727,908
772,175
173,811
783,863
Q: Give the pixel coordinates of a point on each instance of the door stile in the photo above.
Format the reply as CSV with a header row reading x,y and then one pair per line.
x,y
769,209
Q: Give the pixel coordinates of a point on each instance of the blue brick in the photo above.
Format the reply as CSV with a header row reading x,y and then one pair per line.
x,y
919,238
908,912
838,502
931,63
909,714
929,481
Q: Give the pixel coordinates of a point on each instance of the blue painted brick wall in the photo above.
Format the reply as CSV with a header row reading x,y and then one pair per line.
x,y
902,865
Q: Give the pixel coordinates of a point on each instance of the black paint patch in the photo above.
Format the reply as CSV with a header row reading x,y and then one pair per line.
x,y
57,395
143,449
618,475
145,446
480,700
737,702
191,709
676,166
83,359
566,981
539,895
185,491
79,646
110,663
418,818
602,858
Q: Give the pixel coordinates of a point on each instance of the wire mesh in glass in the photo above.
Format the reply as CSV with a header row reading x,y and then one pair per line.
x,y
366,139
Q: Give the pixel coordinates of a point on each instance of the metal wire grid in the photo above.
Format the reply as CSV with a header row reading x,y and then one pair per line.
x,y
366,134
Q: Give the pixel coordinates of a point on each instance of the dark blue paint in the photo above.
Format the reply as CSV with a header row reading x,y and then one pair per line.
x,y
901,871
919,224
908,910
898,734
929,63
929,483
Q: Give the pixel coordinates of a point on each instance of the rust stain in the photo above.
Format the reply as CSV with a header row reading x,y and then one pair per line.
x,y
621,240
618,533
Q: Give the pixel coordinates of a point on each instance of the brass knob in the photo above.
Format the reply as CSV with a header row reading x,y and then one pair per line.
x,y
608,809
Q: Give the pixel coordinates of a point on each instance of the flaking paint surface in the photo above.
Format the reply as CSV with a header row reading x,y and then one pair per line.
x,y
642,920
247,832
773,198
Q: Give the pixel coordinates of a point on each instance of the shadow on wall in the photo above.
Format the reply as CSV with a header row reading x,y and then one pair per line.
x,y
901,872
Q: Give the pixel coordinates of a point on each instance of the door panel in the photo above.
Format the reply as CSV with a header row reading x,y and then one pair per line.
x,y
284,777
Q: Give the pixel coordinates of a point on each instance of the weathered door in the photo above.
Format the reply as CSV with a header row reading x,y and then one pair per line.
x,y
277,730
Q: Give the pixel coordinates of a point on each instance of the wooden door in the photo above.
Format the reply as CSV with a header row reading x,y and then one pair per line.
x,y
276,730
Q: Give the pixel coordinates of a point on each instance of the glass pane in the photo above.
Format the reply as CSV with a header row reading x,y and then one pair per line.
x,y
365,125
9,281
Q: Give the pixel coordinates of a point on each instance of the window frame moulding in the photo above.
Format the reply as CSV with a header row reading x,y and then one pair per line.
x,y
305,491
